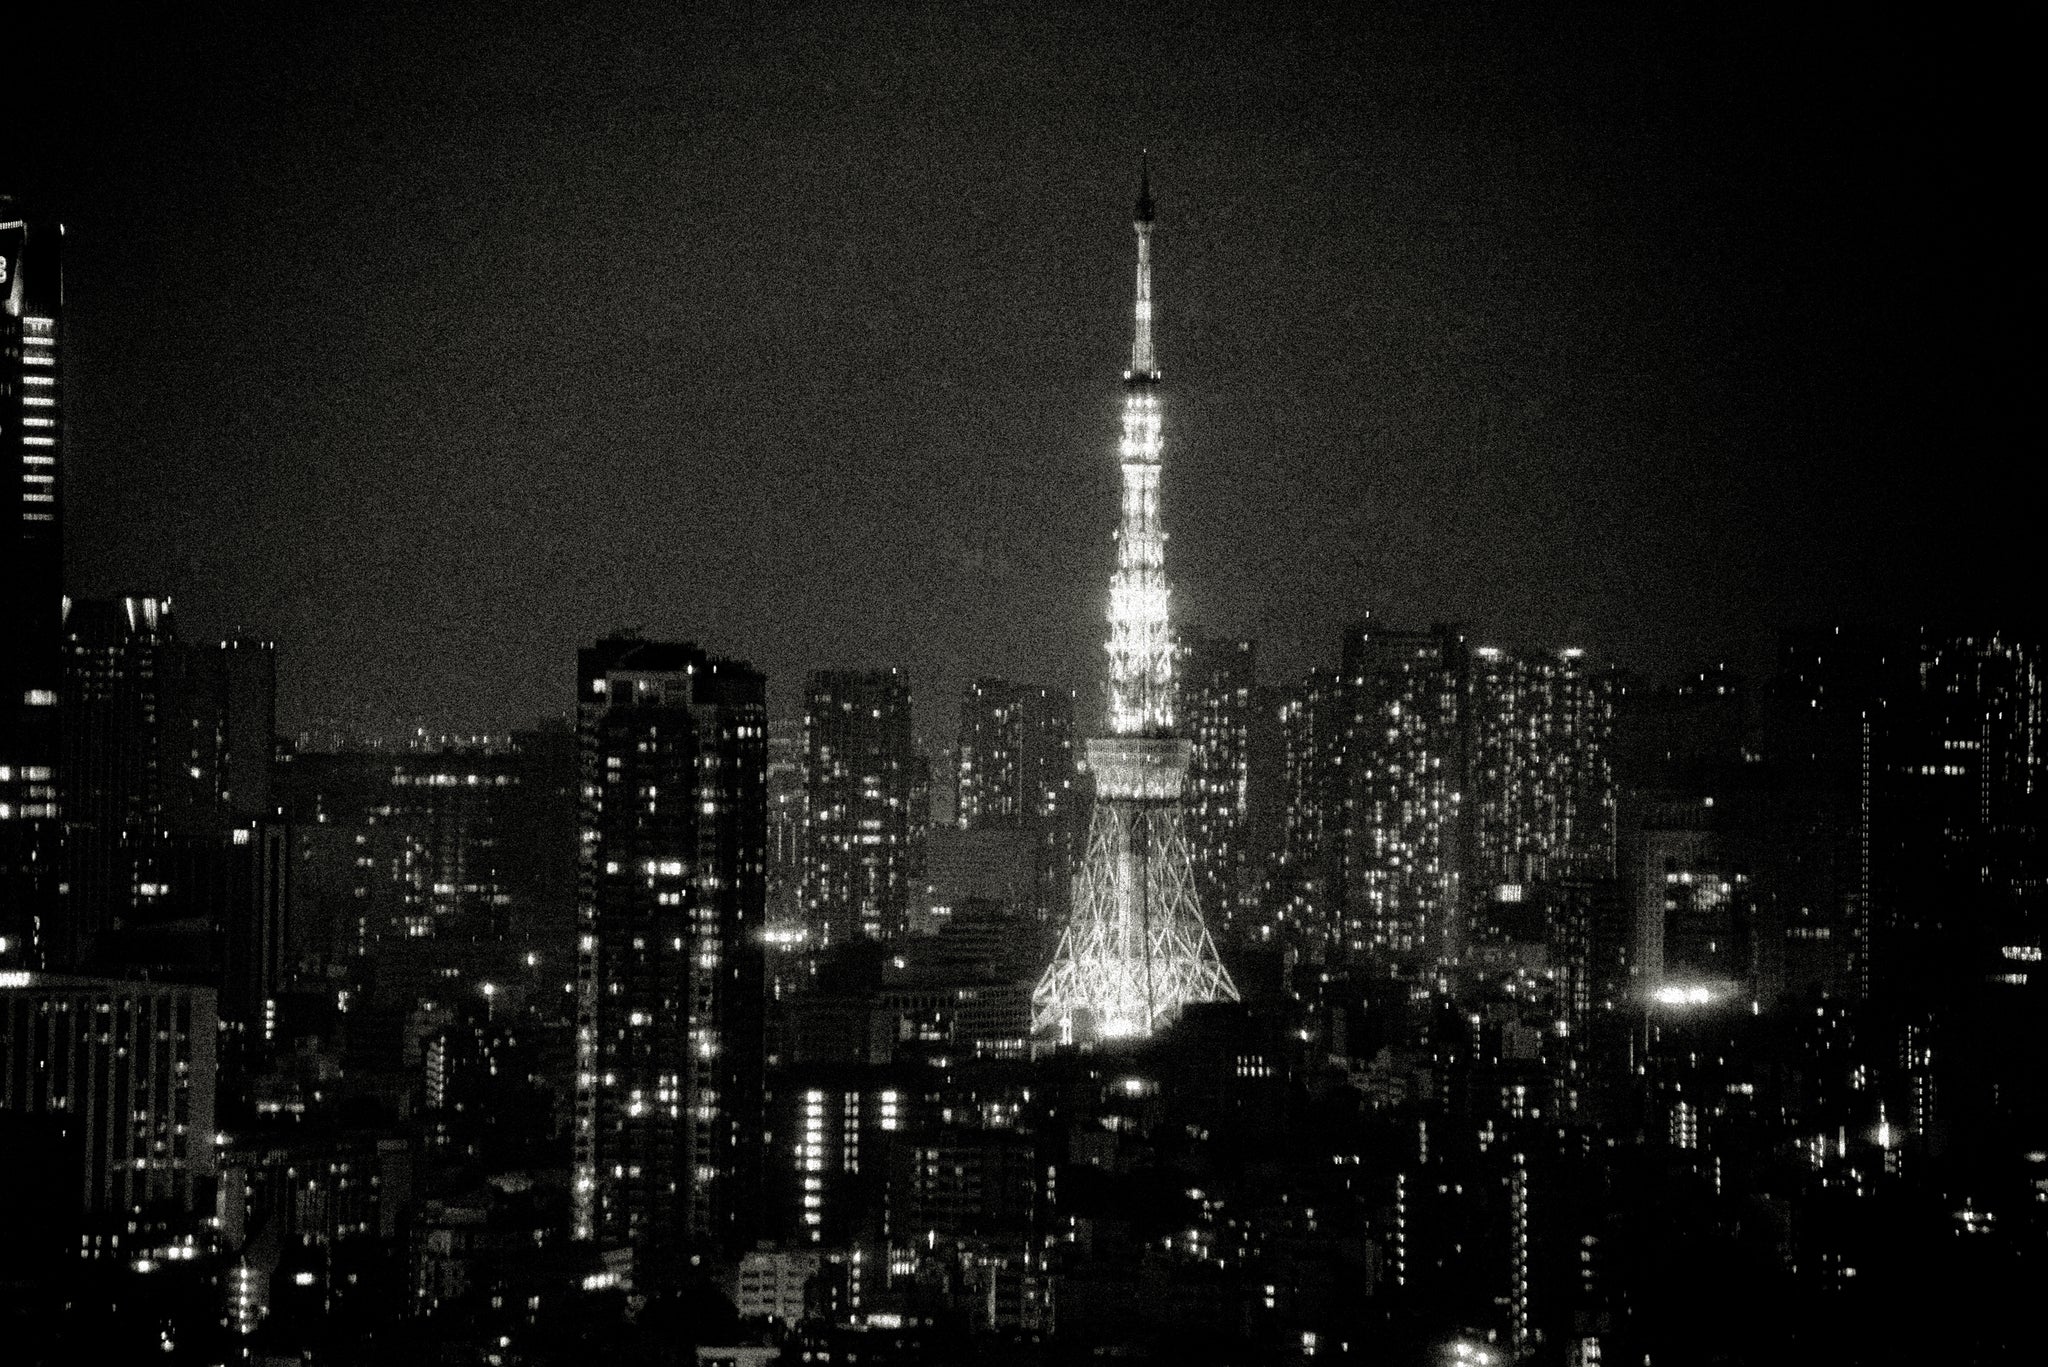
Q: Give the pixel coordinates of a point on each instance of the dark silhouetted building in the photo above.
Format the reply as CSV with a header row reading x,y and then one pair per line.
x,y
32,569
126,1071
1016,755
863,818
1218,696
671,907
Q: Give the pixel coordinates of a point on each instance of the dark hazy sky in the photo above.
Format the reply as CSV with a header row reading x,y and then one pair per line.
x,y
435,346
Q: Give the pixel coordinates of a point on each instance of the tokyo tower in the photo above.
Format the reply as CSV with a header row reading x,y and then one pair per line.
x,y
1135,951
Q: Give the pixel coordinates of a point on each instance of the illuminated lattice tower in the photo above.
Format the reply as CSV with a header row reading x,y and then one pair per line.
x,y
1135,951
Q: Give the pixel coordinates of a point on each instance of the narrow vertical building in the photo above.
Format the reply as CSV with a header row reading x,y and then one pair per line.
x,y
862,791
1406,853
118,655
1218,689
32,570
671,904
1316,724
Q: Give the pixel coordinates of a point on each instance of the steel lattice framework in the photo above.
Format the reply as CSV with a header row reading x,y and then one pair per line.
x,y
1136,950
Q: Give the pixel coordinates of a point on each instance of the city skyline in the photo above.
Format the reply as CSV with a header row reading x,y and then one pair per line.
x,y
1600,332
1536,857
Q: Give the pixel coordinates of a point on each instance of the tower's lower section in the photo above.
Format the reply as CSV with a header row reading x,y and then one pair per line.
x,y
1136,950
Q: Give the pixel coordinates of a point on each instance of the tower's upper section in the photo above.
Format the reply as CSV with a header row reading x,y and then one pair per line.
x,y
1144,366
1140,634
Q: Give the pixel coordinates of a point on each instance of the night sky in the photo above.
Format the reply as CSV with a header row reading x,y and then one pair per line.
x,y
434,347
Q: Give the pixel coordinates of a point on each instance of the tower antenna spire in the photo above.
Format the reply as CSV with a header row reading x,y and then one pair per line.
x,y
1143,363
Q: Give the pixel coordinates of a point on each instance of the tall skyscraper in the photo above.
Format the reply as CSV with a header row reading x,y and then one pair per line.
x,y
32,570
1136,949
1316,723
175,862
117,652
1543,788
1406,850
1960,802
785,824
1218,692
862,821
671,904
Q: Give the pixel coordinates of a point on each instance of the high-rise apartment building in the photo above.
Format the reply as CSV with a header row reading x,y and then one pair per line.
x,y
1406,846
1542,780
1218,692
1016,755
1315,722
863,819
671,905
32,569
785,824
1424,777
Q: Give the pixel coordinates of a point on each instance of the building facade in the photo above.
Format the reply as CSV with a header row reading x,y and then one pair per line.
x,y
125,1070
1218,698
1407,851
863,823
671,904
32,568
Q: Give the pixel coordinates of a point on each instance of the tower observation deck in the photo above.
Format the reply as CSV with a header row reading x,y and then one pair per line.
x,y
1136,950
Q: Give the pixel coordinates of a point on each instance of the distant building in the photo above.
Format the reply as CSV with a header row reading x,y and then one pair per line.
x,y
863,823
219,734
1406,844
671,907
1017,773
1697,927
1541,773
785,824
1016,754
1218,698
451,853
995,865
1315,731
772,1282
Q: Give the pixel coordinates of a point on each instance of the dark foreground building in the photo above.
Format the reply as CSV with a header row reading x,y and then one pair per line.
x,y
671,903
